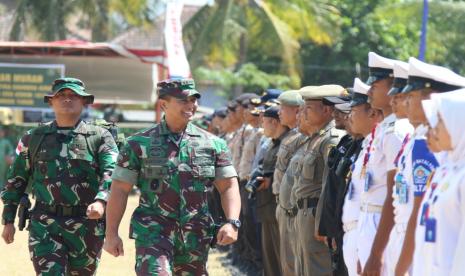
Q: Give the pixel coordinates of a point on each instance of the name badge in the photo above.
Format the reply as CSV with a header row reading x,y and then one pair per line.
x,y
398,182
403,193
430,233
368,181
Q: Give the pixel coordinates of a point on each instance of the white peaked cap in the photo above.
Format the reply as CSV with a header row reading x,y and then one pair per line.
x,y
377,61
401,69
360,87
418,68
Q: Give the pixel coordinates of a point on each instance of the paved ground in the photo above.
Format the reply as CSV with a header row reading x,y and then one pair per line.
x,y
14,258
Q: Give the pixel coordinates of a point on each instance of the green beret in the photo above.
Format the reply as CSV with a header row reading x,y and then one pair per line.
x,y
291,97
319,92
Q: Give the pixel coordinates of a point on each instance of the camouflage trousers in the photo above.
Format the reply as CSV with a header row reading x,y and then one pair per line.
x,y
174,251
65,245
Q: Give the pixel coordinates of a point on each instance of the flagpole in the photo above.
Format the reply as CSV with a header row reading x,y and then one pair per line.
x,y
424,25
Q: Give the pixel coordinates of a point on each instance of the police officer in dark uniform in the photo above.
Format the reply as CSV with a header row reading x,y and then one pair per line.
x,y
339,161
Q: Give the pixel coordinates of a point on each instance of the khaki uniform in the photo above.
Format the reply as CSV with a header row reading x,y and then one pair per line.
x,y
312,171
289,155
237,144
284,156
250,148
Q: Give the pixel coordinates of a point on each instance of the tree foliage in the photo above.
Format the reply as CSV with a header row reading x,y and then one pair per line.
x,y
248,76
233,32
49,19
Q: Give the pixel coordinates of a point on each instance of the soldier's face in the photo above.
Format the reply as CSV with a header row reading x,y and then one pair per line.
x,y
269,126
316,113
377,94
182,110
339,118
359,119
415,112
288,115
67,103
399,105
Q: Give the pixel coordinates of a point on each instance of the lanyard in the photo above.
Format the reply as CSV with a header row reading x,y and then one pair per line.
x,y
368,153
401,151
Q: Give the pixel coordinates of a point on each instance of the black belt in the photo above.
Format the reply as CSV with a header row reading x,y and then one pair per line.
x,y
290,212
312,202
61,210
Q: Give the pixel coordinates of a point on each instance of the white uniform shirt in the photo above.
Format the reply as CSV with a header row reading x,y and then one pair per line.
x,y
446,206
389,135
423,250
415,165
351,208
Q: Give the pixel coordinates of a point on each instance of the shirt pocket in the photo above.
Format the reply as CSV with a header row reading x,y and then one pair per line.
x,y
157,174
203,170
308,166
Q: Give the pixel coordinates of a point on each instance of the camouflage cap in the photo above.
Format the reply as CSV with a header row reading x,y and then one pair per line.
x,y
319,92
178,88
291,97
73,84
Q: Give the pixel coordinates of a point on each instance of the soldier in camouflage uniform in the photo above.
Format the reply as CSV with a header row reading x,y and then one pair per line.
x,y
69,163
174,164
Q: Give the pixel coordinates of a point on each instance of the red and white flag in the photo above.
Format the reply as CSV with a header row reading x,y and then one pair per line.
x,y
178,66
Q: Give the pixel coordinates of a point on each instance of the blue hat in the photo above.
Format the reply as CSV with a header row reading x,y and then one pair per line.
x,y
270,94
221,112
272,112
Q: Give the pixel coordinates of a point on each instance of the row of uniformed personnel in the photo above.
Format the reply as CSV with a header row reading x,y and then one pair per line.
x,y
383,197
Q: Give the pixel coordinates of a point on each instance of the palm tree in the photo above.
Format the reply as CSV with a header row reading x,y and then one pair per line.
x,y
223,34
48,19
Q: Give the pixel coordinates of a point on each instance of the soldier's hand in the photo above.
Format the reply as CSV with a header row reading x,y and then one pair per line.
x,y
266,182
95,210
114,245
8,233
227,234
373,266
320,238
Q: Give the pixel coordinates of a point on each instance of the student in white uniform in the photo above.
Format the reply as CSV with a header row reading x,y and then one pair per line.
x,y
424,79
376,216
362,120
402,191
444,208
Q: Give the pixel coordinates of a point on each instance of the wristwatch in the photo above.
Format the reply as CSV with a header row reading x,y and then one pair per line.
x,y
5,222
234,222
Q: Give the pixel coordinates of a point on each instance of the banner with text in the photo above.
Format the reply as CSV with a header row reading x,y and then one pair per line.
x,y
24,85
178,66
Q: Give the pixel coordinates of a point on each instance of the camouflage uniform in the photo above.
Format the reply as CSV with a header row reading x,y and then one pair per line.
x,y
71,167
172,225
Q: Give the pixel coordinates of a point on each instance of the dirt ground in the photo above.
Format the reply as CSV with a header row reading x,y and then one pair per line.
x,y
14,258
